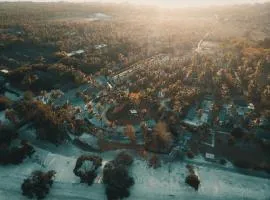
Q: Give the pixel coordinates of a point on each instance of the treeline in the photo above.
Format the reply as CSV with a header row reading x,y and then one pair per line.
x,y
40,77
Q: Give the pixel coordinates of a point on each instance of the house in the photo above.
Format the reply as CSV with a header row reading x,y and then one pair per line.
x,y
161,94
199,117
4,71
78,52
133,112
100,46
209,156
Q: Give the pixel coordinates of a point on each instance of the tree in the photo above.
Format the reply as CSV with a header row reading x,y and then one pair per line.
x,y
86,167
163,137
12,154
130,133
116,177
48,120
190,154
193,180
38,184
28,96
237,133
117,181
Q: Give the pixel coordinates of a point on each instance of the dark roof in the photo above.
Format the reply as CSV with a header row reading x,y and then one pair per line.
x,y
240,101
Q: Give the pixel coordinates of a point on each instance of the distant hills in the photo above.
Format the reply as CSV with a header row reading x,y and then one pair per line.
x,y
167,3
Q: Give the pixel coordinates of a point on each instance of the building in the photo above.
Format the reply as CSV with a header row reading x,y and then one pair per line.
x,y
78,52
199,117
209,156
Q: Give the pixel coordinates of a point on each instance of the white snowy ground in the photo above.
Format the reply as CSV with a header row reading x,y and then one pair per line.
x,y
216,184
161,184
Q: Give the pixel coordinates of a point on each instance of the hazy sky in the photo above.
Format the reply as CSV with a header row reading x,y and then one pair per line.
x,y
167,3
188,2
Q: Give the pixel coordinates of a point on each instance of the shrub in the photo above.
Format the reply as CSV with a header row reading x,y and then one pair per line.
x,y
15,155
193,181
116,177
38,184
237,133
190,154
86,167
117,181
160,140
48,120
222,161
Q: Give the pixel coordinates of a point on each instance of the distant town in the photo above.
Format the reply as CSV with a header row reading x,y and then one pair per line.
x,y
134,102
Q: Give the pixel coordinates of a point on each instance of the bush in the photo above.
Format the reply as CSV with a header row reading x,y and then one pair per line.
x,y
15,155
160,140
117,181
116,177
193,181
28,96
12,155
237,133
222,161
86,167
190,154
48,120
38,184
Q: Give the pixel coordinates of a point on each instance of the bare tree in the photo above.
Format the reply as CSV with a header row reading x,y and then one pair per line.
x,y
162,133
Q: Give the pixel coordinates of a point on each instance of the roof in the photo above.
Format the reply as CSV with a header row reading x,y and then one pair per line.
x,y
133,111
209,155
240,101
195,123
80,51
100,46
4,71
